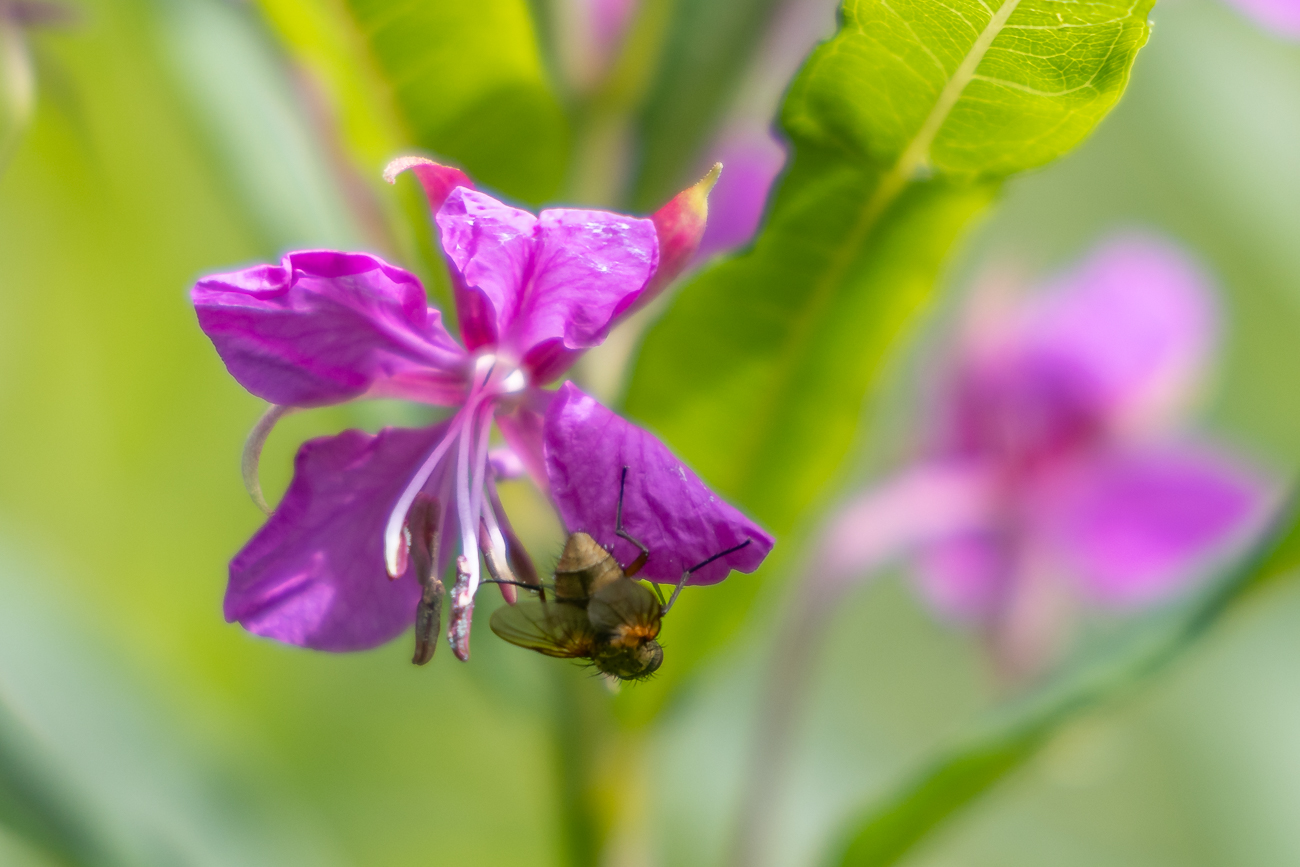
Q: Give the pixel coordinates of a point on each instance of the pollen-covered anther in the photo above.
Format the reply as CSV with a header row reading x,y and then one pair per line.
x,y
462,610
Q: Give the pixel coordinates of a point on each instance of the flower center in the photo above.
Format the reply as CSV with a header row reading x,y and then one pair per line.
x,y
460,460
497,377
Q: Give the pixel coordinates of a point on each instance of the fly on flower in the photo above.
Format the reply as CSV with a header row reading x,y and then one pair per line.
x,y
596,610
354,553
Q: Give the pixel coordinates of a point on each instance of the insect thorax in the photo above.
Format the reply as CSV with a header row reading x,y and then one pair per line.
x,y
583,569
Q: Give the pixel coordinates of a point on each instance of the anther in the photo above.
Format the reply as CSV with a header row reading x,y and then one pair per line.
x,y
424,524
462,611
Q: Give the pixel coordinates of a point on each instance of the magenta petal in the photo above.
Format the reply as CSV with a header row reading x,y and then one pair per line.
x,y
893,518
324,327
590,267
524,431
1137,317
966,577
490,247
665,505
314,574
1135,526
542,287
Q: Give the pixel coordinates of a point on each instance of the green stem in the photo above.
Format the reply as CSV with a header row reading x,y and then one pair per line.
x,y
576,737
966,770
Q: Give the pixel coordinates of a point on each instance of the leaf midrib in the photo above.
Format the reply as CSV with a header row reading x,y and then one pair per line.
x,y
892,183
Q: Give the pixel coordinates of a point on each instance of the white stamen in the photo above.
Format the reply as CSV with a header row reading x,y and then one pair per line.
x,y
479,479
393,538
497,539
468,524
515,382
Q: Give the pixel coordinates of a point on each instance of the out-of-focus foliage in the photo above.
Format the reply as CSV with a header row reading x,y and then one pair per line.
x,y
17,85
902,125
889,830
705,50
252,118
467,79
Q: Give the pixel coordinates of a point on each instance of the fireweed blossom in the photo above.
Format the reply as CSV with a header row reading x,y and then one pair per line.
x,y
1058,472
349,559
1055,471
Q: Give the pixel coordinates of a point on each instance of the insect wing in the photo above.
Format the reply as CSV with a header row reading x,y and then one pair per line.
x,y
553,628
625,605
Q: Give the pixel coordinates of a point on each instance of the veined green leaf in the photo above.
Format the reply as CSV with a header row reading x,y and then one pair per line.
x,y
468,82
903,127
891,828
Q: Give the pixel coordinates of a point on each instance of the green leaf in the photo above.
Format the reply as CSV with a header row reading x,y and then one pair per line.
x,y
1000,745
468,83
705,52
254,124
903,127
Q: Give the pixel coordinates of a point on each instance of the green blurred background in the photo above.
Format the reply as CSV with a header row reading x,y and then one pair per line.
x,y
174,138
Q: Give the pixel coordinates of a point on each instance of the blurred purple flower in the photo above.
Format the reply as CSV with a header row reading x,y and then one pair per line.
x,y
1282,17
753,159
333,567
589,35
1055,468
746,143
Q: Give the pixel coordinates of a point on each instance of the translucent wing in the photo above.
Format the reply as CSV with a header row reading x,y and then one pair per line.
x,y
552,628
625,605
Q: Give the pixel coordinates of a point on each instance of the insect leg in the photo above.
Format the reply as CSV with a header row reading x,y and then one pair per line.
x,y
658,593
635,566
687,574
676,590
523,584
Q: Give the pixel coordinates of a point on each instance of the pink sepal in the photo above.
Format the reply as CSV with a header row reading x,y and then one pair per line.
x,y
680,226
438,180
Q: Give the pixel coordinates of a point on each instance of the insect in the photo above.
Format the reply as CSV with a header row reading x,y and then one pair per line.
x,y
596,610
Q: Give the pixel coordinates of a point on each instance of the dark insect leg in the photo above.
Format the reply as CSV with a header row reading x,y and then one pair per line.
x,y
687,574
635,566
659,593
524,584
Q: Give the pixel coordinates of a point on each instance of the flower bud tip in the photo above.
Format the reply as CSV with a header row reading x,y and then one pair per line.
x,y
438,180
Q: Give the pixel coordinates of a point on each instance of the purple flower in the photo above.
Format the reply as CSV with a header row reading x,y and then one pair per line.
x,y
589,35
353,551
1055,469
